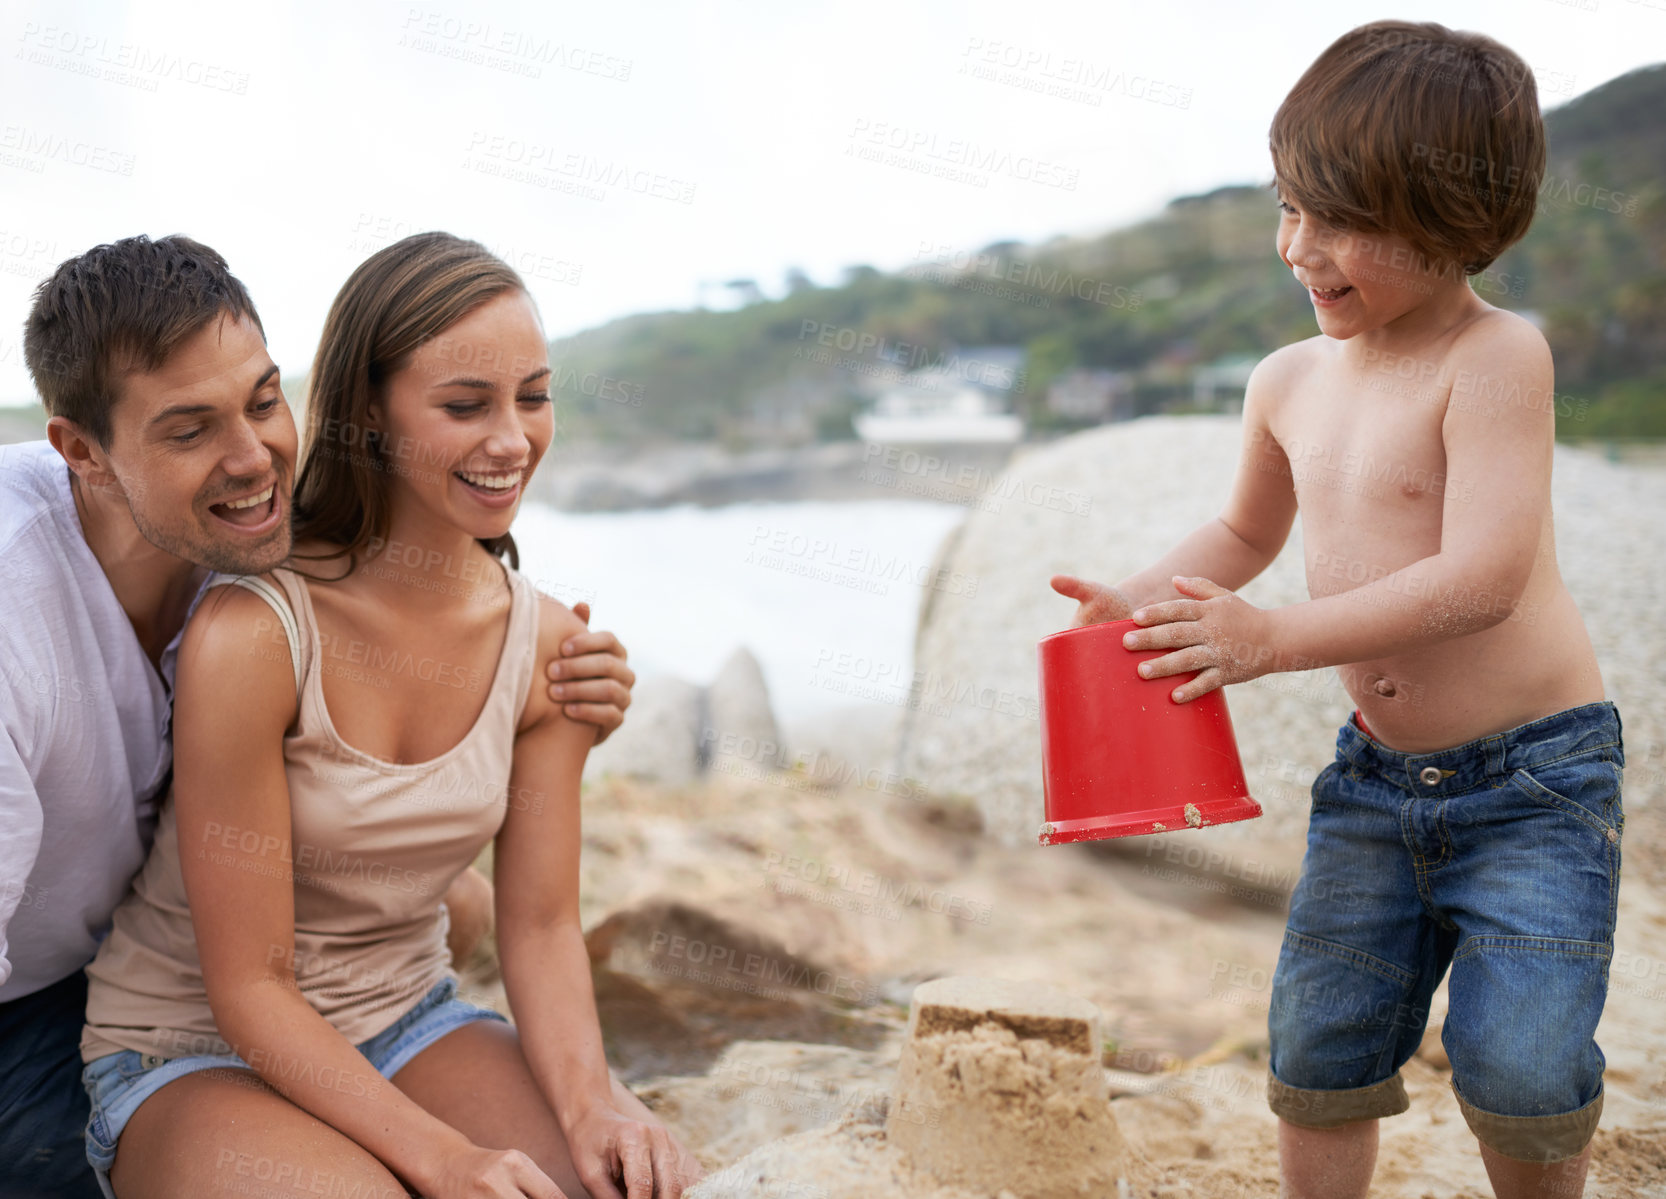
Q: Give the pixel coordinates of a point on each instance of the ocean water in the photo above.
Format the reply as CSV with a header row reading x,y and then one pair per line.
x,y
824,594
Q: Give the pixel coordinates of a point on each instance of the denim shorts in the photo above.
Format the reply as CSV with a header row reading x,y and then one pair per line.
x,y
1500,859
119,1082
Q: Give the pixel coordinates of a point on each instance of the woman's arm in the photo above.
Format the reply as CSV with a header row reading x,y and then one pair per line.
x,y
234,700
546,969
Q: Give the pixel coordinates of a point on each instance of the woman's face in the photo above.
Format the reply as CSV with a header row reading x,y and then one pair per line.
x,y
465,422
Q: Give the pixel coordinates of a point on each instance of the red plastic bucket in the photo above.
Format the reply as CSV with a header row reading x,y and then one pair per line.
x,y
1118,756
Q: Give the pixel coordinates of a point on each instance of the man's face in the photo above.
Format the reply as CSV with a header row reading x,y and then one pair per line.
x,y
203,451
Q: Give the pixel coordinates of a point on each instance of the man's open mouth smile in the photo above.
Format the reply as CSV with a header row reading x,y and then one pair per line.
x,y
254,514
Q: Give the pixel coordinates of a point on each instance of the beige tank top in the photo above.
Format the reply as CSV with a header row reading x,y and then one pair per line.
x,y
373,847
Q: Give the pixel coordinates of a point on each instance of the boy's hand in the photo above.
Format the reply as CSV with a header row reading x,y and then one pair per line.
x,y
1095,602
1223,638
590,679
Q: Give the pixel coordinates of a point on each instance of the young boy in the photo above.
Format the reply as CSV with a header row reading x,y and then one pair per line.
x,y
1472,816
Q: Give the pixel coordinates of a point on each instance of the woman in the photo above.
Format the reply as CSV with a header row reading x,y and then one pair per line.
x,y
349,733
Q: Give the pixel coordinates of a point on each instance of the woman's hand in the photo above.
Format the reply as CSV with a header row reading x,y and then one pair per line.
x,y
1223,638
609,1148
1095,602
590,679
476,1173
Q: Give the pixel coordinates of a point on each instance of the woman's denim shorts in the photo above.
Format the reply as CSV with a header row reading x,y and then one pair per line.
x,y
1499,859
119,1082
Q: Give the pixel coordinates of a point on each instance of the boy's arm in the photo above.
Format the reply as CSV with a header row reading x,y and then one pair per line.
x,y
1235,546
1498,462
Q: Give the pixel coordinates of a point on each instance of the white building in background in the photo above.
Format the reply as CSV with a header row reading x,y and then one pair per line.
x,y
966,398
918,411
1092,395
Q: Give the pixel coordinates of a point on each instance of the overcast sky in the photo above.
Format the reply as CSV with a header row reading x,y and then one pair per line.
x,y
624,154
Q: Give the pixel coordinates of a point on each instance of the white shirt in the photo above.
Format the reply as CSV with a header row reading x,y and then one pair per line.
x,y
84,732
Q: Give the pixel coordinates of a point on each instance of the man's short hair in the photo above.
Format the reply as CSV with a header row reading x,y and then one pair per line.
x,y
1417,130
117,308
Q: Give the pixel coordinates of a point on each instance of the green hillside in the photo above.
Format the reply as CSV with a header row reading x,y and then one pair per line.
x,y
1198,282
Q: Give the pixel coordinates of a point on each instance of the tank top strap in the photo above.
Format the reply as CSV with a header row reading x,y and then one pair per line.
x,y
520,650
279,603
287,596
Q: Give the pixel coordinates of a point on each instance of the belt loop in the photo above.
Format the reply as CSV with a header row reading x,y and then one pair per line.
x,y
1352,743
1497,756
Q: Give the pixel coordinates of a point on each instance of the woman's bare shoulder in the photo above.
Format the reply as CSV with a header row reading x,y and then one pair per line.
x,y
236,657
556,623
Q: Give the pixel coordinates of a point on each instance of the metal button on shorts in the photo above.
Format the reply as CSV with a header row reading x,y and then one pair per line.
x,y
1430,775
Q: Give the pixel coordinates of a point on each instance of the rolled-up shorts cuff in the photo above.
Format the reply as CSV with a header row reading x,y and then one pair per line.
x,y
1332,1109
1533,1138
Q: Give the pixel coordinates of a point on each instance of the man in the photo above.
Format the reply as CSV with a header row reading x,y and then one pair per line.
x,y
107,531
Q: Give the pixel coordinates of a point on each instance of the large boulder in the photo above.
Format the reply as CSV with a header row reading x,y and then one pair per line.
x,y
737,713
677,731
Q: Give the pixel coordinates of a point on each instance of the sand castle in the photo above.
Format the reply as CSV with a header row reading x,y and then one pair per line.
x,y
1001,1087
1000,1091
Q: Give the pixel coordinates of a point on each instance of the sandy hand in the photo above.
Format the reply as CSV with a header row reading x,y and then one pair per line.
x,y
1224,638
1095,602
609,1147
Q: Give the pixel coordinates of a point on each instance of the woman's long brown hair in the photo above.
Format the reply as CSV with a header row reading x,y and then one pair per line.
x,y
398,298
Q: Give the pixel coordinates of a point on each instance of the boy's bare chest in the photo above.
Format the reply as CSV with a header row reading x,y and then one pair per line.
x,y
1369,472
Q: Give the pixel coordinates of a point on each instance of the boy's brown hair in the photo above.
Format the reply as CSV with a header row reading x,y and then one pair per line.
x,y
117,308
1417,130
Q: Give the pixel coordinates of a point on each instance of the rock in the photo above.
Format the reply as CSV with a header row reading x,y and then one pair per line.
x,y
677,983
1001,1085
660,739
668,936
737,714
676,731
862,737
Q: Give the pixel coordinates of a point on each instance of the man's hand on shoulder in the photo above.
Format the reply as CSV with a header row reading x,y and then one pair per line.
x,y
590,679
